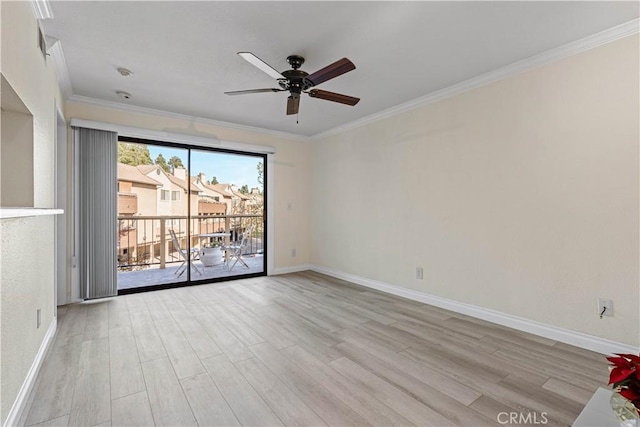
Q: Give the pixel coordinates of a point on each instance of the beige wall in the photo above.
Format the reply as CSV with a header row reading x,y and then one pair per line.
x,y
520,197
170,207
16,149
194,200
291,211
147,199
165,207
17,159
24,288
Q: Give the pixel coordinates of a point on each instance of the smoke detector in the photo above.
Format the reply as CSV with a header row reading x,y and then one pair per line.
x,y
122,94
124,72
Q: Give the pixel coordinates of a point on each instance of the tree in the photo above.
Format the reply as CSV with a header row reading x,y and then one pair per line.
x,y
214,181
160,161
175,162
244,189
133,154
260,168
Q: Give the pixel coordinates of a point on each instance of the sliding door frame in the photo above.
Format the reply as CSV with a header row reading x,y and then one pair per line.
x,y
266,246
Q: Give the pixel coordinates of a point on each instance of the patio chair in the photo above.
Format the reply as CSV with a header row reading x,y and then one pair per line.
x,y
187,256
235,251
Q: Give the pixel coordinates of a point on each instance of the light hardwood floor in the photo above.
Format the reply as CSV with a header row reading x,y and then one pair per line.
x,y
299,349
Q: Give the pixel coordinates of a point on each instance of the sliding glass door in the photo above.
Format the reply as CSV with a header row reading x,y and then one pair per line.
x,y
230,213
188,215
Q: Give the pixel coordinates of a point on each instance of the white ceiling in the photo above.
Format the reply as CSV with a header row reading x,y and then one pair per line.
x,y
183,54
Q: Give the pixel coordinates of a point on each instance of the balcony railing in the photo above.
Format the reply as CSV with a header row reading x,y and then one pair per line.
x,y
144,241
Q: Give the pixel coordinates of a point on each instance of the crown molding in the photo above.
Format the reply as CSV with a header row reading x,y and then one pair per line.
x,y
553,55
59,62
198,120
41,9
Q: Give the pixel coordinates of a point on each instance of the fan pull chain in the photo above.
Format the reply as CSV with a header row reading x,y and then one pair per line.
x,y
297,117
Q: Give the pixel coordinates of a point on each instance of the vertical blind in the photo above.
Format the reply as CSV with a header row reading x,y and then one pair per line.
x,y
97,203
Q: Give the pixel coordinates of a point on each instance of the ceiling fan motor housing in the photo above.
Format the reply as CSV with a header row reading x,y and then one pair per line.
x,y
294,80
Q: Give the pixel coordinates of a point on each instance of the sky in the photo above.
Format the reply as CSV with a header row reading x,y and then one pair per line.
x,y
227,168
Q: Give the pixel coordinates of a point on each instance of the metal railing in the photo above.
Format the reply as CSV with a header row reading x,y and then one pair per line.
x,y
145,241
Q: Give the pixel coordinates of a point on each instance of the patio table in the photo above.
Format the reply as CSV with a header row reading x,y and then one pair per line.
x,y
216,235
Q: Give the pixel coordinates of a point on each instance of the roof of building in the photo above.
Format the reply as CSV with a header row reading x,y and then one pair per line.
x,y
220,188
181,183
145,169
242,195
134,174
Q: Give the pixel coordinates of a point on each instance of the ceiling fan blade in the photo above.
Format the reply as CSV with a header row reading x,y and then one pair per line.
x,y
244,92
293,105
260,64
330,71
335,97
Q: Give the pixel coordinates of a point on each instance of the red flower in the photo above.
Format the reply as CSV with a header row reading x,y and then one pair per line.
x,y
631,357
625,376
630,394
624,360
620,374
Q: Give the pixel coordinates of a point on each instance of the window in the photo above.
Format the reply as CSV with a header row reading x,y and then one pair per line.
x,y
175,195
164,194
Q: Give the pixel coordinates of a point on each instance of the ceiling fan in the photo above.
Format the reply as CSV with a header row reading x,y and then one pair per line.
x,y
296,81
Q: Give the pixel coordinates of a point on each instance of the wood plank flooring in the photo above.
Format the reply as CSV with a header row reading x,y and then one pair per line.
x,y
299,349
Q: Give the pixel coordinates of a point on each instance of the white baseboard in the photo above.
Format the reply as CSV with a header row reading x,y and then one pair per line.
x,y
291,269
20,403
578,339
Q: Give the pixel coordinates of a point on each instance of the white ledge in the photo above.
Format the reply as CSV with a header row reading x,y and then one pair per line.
x,y
25,212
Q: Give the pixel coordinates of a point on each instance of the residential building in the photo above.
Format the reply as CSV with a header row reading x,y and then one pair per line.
x,y
137,195
146,193
255,201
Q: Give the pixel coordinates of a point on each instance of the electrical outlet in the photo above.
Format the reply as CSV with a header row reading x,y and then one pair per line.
x,y
419,273
38,318
605,307
293,253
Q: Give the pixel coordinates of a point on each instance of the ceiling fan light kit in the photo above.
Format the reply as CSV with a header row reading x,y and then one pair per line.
x,y
296,81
